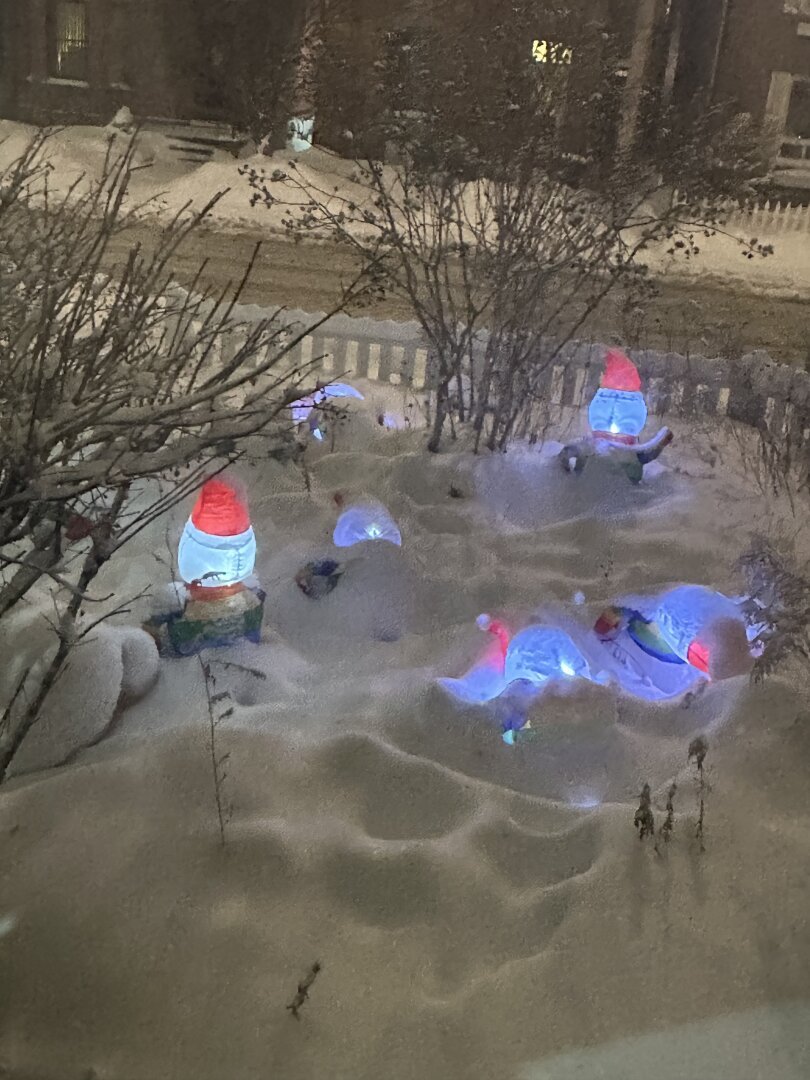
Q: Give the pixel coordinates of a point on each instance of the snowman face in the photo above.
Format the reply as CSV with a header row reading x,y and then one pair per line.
x,y
214,561
617,412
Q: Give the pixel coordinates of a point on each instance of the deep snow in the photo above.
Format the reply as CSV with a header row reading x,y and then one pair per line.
x,y
480,910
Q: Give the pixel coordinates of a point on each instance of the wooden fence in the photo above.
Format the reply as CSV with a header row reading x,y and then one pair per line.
x,y
754,390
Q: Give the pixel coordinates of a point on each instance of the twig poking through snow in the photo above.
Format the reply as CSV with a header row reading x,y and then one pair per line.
x,y
698,749
218,772
669,821
644,819
302,993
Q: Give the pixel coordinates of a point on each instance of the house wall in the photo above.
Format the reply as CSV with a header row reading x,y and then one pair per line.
x,y
357,40
162,58
125,63
760,38
764,65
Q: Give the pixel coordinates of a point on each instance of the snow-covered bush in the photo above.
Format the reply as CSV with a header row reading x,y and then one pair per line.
x,y
116,397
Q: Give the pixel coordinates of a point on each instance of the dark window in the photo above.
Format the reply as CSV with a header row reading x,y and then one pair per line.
x,y
798,118
69,44
120,48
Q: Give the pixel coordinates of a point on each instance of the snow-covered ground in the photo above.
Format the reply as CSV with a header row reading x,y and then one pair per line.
x,y
170,187
479,910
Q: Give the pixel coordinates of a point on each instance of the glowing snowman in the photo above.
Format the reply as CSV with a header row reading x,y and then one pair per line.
x,y
618,411
218,547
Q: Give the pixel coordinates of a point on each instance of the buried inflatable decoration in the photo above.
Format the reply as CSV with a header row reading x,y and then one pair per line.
x,y
364,522
617,416
686,636
306,410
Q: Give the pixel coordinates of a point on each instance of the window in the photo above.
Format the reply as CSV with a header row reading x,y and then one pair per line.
x,y
798,7
795,119
798,117
69,41
551,52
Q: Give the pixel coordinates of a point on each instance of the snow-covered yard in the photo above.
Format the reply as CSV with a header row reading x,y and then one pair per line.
x,y
479,910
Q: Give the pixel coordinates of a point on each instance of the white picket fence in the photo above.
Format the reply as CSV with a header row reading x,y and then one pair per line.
x,y
772,218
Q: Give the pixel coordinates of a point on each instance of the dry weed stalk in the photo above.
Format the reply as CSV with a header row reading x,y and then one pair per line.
x,y
698,749
644,819
218,762
669,822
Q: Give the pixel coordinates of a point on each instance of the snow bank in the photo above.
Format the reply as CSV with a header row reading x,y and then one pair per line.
x,y
77,155
169,187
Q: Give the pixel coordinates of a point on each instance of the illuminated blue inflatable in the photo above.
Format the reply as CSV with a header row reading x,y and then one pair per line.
x,y
214,561
540,653
688,617
536,655
618,408
364,522
302,410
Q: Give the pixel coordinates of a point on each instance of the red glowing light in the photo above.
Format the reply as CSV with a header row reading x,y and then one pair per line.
x,y
220,510
620,372
698,656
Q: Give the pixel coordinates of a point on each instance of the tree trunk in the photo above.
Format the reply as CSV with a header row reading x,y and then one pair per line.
x,y
637,75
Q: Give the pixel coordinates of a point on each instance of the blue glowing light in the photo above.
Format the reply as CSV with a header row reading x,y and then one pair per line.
x,y
366,522
618,412
301,408
683,613
540,653
585,802
214,561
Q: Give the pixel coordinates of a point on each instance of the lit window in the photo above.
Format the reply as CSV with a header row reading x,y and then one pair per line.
x,y
551,52
798,7
69,52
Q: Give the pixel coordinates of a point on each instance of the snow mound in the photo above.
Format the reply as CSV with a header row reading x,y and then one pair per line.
x,y
113,667
140,660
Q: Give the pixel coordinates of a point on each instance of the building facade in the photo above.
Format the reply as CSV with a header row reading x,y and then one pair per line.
x,y
79,61
755,54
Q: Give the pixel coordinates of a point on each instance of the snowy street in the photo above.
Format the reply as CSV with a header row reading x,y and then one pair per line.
x,y
700,318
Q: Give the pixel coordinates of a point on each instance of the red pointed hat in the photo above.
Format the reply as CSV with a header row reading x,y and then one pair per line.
x,y
220,509
620,372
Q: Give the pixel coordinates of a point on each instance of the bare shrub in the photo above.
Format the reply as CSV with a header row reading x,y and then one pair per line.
x,y
117,397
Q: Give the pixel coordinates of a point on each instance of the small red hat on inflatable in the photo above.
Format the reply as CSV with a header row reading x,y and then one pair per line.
x,y
620,372
220,510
